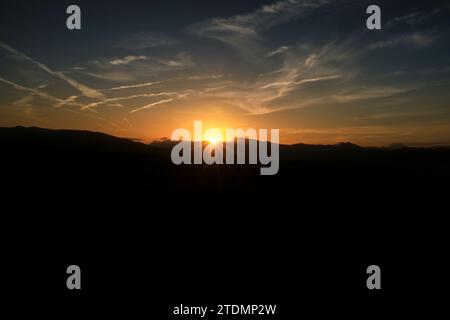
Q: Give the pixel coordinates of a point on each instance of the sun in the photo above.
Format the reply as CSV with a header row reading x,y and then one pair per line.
x,y
213,136
213,140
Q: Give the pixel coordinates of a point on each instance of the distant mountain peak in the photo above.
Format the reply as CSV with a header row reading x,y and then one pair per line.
x,y
347,145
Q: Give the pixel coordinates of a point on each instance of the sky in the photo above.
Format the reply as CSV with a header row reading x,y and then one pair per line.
x,y
141,69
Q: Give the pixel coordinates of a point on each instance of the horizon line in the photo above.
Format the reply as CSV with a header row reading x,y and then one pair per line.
x,y
162,139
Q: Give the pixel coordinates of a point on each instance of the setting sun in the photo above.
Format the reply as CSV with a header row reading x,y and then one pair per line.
x,y
213,140
213,136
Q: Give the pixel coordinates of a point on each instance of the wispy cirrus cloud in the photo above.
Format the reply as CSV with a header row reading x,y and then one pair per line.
x,y
300,82
28,100
243,32
417,17
146,40
31,91
368,93
132,68
206,77
277,51
134,86
130,97
127,60
259,20
88,92
182,60
415,39
69,100
151,105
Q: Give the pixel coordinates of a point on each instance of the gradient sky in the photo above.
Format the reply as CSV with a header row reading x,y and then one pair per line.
x,y
141,69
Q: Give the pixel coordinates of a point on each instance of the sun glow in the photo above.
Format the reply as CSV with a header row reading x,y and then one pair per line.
x,y
213,136
213,140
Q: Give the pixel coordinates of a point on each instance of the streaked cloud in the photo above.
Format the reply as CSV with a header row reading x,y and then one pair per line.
x,y
127,60
133,86
89,92
144,41
180,95
182,60
206,77
151,105
300,82
416,39
31,92
417,17
112,100
369,93
69,100
243,32
277,51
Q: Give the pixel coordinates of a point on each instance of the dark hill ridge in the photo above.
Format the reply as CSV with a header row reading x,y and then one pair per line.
x,y
36,159
69,139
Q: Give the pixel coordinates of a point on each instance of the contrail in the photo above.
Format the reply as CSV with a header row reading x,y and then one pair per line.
x,y
88,92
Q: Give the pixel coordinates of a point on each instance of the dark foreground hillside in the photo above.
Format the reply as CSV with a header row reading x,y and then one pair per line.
x,y
39,160
209,234
342,181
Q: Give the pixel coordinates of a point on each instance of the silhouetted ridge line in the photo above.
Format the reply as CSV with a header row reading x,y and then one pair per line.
x,y
36,159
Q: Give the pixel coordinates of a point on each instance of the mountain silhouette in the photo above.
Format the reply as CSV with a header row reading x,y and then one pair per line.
x,y
36,160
